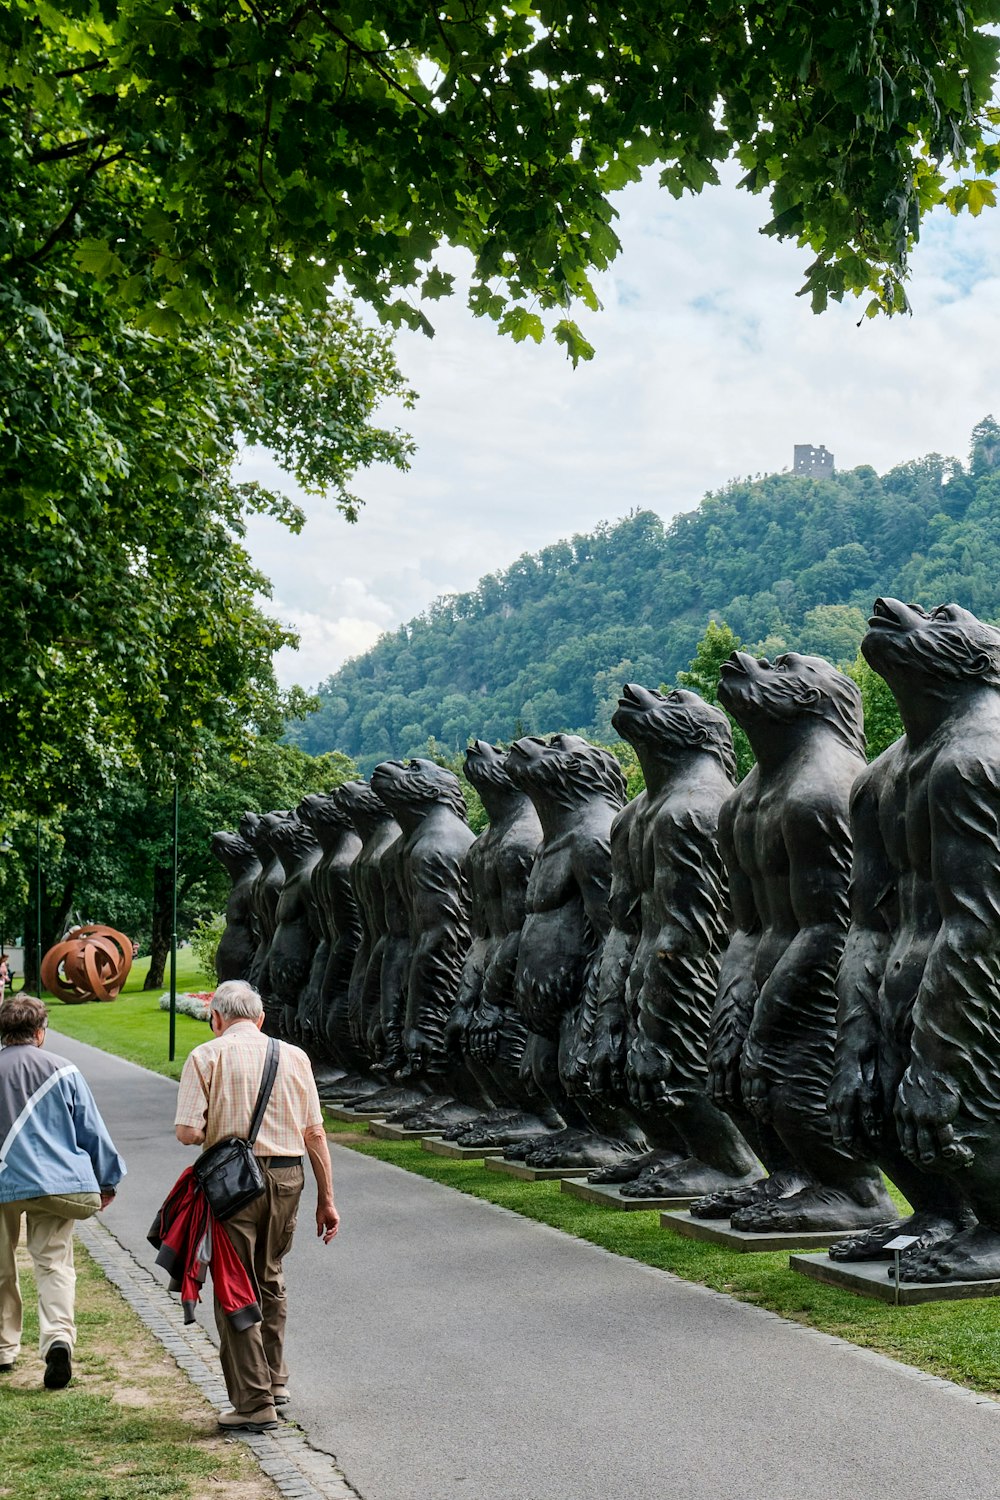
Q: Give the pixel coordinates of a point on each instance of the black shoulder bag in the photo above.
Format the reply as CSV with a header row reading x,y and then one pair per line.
x,y
228,1173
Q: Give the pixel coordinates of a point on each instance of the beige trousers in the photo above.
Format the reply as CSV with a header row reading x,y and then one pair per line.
x,y
50,1245
253,1360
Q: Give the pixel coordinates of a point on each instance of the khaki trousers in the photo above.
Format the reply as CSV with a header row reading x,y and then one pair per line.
x,y
50,1245
261,1233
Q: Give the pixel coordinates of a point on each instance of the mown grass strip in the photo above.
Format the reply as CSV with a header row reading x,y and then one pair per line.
x,y
129,1425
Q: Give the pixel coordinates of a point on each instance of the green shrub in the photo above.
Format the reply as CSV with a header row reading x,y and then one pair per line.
x,y
205,939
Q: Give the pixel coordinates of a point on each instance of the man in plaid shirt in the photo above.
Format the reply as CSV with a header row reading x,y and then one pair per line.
x,y
218,1090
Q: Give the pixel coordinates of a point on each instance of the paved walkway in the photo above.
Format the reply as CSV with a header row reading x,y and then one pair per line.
x,y
445,1349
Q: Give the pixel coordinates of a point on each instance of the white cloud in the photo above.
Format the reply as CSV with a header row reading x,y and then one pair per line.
x,y
707,367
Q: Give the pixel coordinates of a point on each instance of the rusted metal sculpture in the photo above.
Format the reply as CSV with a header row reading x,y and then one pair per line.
x,y
91,963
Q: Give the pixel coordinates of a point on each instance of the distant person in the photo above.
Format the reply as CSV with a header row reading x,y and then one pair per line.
x,y
57,1164
5,976
218,1090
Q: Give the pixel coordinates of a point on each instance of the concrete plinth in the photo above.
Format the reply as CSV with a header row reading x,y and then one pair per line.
x,y
870,1278
524,1173
609,1195
338,1112
386,1132
452,1149
720,1232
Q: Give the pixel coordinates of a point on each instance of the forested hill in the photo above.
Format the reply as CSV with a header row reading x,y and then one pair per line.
x,y
786,561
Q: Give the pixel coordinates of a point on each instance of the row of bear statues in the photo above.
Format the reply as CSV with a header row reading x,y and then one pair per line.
x,y
800,972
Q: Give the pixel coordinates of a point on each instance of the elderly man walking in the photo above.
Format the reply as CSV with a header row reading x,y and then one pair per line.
x,y
218,1090
57,1164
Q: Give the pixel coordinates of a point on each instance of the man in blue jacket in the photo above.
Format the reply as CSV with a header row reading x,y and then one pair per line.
x,y
57,1164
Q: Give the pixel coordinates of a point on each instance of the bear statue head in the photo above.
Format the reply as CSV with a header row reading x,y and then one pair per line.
x,y
665,726
291,839
249,828
411,788
363,807
256,829
767,697
937,653
325,816
234,852
486,769
566,770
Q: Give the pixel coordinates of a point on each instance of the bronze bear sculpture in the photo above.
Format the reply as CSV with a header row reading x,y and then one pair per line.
x,y
673,894
786,839
235,954
918,1051
486,1023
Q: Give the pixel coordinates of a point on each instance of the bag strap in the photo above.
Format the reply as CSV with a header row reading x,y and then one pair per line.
x,y
266,1085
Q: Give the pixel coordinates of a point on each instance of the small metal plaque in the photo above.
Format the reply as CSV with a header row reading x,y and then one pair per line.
x,y
902,1242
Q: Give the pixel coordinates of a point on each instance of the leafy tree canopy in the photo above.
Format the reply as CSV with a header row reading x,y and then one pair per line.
x,y
133,630
702,676
883,725
215,154
985,451
107,857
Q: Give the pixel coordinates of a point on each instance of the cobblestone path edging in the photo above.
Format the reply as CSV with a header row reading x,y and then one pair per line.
x,y
299,1470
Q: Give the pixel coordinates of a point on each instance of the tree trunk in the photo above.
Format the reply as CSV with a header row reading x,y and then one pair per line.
x,y
162,919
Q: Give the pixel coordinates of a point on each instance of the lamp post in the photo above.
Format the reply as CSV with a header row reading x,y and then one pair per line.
x,y
38,901
173,937
5,848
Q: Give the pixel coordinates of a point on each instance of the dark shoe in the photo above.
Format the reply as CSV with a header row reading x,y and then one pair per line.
x,y
58,1367
279,1395
6,1369
263,1420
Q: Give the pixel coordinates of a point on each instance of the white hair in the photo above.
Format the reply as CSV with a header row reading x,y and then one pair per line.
x,y
235,1000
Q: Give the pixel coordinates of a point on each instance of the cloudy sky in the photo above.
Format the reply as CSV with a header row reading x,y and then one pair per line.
x,y
708,367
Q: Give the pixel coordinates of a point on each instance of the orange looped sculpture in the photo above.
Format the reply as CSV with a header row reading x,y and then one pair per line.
x,y
91,963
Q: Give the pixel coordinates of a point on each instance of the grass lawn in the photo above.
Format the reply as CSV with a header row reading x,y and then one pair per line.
x,y
959,1340
133,1026
129,1424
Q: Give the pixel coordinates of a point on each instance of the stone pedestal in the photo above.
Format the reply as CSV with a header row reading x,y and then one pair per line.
x,y
385,1132
719,1232
524,1173
870,1278
338,1112
455,1152
607,1194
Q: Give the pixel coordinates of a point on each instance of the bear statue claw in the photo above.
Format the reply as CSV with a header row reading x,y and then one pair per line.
x,y
930,1229
575,1148
686,1178
635,1168
815,1209
723,1205
973,1254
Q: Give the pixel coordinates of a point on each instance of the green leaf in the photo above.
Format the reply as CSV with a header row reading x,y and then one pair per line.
x,y
97,258
982,194
576,346
437,284
521,325
161,321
